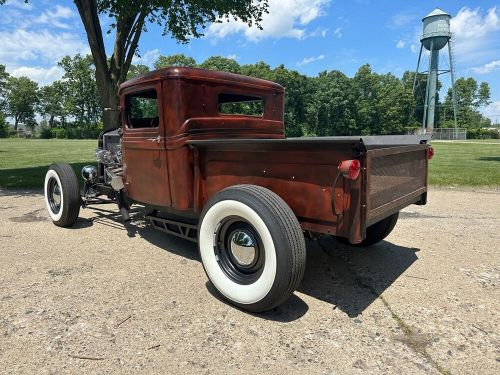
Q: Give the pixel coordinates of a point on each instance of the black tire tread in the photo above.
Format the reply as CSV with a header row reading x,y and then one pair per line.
x,y
293,230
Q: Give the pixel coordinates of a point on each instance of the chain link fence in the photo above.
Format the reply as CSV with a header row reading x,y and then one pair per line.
x,y
450,134
457,134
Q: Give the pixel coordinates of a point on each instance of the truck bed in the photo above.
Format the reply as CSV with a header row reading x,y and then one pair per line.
x,y
304,172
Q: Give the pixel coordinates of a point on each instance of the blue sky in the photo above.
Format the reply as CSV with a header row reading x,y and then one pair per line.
x,y
307,35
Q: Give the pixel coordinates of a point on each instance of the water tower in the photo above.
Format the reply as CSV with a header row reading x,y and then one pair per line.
x,y
436,35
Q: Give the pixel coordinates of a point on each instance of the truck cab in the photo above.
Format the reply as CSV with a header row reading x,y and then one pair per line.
x,y
162,111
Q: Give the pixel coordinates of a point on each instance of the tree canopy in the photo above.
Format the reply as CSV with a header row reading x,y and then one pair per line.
x,y
174,60
328,104
22,98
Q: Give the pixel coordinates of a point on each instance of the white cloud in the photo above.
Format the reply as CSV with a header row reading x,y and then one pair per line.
x,y
22,45
308,60
401,44
402,19
487,68
55,17
493,111
318,32
470,23
474,33
148,58
286,19
338,32
414,48
44,76
232,57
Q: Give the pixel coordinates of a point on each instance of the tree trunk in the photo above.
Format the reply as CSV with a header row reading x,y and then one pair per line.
x,y
109,103
90,19
109,76
51,121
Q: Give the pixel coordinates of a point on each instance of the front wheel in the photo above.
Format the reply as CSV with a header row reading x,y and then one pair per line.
x,y
62,194
252,247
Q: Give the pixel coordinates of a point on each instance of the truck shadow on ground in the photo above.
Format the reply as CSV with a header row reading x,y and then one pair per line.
x,y
349,278
352,278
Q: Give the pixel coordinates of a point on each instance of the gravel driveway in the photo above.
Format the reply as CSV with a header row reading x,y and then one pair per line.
x,y
102,298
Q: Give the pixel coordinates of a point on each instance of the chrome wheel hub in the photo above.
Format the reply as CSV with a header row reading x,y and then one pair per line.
x,y
239,250
242,248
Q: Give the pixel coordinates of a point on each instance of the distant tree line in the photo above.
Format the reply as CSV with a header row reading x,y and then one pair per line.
x,y
330,103
69,107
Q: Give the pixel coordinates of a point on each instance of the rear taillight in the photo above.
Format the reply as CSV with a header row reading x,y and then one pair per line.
x,y
430,153
350,169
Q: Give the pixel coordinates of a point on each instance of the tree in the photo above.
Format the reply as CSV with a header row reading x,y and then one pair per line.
x,y
3,84
81,93
175,60
52,102
483,95
136,70
331,107
220,63
22,98
470,97
4,127
296,98
394,105
366,93
259,70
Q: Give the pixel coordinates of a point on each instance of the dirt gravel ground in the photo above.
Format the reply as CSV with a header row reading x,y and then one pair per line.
x,y
102,298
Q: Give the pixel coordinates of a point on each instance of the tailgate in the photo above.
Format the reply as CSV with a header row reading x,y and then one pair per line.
x,y
396,177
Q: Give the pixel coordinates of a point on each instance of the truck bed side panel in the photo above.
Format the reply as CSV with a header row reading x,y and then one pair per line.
x,y
301,173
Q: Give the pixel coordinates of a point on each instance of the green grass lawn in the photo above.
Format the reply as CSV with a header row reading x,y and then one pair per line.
x,y
23,163
465,163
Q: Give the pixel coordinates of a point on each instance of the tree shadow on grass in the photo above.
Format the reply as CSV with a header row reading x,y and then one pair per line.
x,y
489,158
31,177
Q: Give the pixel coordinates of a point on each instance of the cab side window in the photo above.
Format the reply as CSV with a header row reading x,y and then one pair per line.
x,y
142,109
236,104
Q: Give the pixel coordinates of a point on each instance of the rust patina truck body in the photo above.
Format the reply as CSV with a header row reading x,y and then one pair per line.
x,y
205,153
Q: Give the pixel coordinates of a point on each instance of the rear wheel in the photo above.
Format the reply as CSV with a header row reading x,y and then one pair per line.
x,y
62,194
376,232
252,247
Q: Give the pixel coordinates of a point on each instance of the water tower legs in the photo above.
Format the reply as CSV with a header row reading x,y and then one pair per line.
x,y
430,100
453,97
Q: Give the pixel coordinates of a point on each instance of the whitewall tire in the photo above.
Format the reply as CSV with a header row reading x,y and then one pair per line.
x,y
251,246
62,194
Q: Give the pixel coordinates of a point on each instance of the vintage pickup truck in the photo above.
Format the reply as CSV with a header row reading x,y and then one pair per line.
x,y
205,153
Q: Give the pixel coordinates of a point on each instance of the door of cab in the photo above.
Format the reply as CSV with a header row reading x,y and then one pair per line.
x,y
144,154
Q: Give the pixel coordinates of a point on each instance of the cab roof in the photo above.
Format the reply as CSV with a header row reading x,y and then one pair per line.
x,y
201,75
